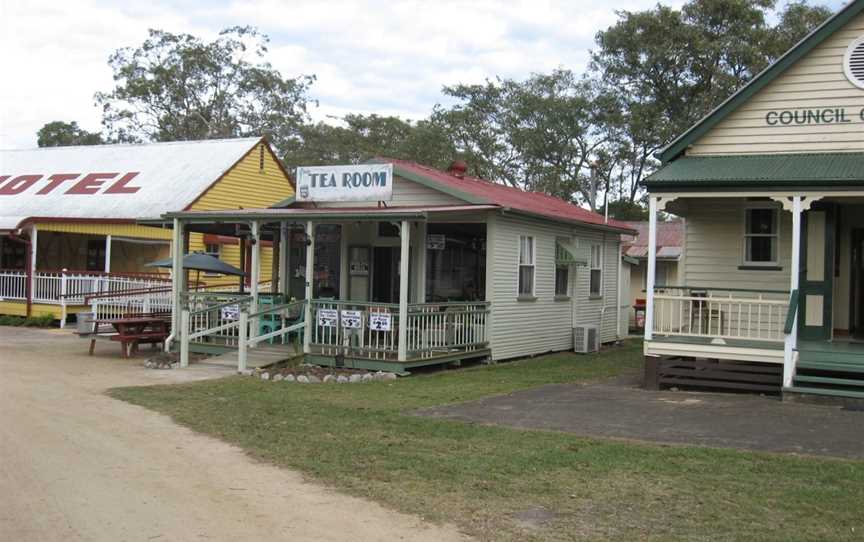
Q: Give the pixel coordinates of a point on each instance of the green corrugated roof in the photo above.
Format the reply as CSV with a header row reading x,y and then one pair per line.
x,y
762,170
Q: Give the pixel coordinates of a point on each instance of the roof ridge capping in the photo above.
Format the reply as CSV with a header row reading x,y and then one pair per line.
x,y
481,191
762,79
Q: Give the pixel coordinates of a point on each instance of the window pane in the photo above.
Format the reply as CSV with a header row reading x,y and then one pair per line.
x,y
526,280
526,250
760,249
561,280
595,256
760,221
595,282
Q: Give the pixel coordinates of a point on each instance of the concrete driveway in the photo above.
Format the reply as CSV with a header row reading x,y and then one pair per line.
x,y
622,410
78,465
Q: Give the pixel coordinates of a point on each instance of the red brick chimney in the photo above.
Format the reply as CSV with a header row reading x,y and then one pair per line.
x,y
458,168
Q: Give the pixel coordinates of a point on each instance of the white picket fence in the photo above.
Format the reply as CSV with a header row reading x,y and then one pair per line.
x,y
70,288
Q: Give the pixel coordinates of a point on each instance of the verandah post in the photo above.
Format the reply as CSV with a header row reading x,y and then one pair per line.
x,y
242,341
284,249
256,274
404,255
652,268
310,267
176,281
184,337
791,340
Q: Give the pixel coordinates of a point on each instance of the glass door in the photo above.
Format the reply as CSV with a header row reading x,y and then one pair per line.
x,y
817,274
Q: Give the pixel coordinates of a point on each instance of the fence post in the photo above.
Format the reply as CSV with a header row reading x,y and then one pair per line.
x,y
241,341
184,338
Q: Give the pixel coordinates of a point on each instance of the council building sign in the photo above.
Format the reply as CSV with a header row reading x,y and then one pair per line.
x,y
365,182
808,117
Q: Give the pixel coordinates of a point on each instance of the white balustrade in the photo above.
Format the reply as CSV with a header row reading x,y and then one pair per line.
x,y
720,314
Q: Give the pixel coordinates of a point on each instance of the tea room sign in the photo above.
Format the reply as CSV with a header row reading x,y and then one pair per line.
x,y
365,182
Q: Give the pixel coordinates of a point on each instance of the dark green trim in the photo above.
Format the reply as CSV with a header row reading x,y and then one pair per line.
x,y
769,74
760,268
790,314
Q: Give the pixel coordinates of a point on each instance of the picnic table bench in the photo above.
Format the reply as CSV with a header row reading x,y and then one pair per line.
x,y
134,330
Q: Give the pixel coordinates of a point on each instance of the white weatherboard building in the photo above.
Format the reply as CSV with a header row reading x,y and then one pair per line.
x,y
770,292
396,265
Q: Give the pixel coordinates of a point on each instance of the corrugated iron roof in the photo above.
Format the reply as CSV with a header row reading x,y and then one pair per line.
x,y
670,240
478,190
762,169
169,176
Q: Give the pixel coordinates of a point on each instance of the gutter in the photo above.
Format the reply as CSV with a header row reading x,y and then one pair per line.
x,y
571,222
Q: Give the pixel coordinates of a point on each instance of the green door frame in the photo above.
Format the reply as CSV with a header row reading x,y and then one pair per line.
x,y
824,287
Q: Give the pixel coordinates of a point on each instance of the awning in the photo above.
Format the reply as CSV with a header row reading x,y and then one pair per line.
x,y
756,171
566,252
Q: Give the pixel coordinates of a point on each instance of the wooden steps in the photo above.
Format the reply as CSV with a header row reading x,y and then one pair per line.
x,y
829,373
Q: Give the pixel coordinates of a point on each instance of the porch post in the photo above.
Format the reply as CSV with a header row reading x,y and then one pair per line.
x,y
256,275
284,248
791,340
420,267
343,261
108,253
310,271
404,255
652,267
34,241
618,297
177,285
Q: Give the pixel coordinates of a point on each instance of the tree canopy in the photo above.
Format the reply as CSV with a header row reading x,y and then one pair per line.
x,y
62,134
588,138
179,87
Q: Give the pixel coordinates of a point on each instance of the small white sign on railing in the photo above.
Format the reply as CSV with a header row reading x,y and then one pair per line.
x,y
380,321
328,317
352,319
231,312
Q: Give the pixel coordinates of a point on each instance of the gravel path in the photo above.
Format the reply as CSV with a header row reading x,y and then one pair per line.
x,y
78,465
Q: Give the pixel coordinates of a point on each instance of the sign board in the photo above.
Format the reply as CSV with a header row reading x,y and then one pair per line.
x,y
351,319
436,241
365,182
231,312
379,321
328,317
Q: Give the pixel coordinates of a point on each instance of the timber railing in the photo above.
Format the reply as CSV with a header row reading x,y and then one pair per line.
x,y
371,330
720,313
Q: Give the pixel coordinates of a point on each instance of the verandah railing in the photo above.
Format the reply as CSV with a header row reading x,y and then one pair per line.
x,y
71,287
371,330
720,313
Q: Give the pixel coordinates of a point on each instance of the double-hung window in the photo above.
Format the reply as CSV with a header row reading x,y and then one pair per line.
x,y
760,236
596,282
212,249
526,265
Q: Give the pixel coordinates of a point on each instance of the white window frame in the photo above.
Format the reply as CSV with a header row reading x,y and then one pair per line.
x,y
745,261
592,268
520,265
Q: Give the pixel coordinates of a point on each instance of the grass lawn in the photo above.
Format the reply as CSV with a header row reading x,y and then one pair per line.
x,y
490,480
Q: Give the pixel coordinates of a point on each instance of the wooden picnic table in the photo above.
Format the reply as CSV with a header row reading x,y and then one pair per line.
x,y
133,331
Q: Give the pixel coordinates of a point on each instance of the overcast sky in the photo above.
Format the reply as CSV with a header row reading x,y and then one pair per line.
x,y
385,57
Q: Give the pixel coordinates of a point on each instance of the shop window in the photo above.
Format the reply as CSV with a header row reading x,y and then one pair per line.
x,y
14,255
455,262
760,236
96,255
526,265
596,281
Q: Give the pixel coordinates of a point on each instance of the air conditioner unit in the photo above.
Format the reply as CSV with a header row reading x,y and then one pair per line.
x,y
586,339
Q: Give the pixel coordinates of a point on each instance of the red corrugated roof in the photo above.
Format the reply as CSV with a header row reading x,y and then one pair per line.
x,y
670,236
508,197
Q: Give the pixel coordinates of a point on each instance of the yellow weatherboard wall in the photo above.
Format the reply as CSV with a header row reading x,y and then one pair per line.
x,y
247,185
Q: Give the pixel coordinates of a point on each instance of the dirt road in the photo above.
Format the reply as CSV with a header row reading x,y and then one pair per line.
x,y
78,465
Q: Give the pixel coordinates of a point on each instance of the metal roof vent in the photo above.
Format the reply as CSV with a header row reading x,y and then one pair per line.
x,y
853,63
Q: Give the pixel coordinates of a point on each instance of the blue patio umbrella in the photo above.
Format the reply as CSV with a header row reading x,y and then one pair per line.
x,y
199,261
